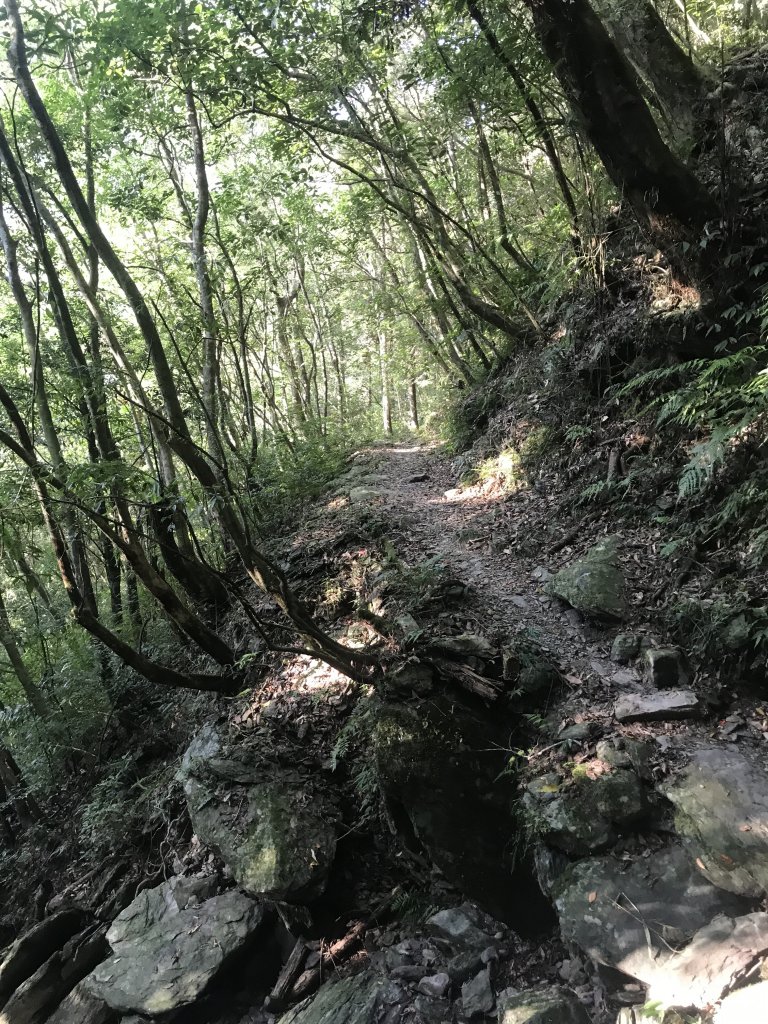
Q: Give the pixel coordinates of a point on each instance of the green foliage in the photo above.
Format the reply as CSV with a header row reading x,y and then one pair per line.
x,y
124,805
412,905
418,585
352,746
718,408
577,432
725,629
285,478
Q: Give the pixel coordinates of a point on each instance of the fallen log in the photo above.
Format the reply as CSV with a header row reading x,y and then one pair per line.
x,y
288,976
331,957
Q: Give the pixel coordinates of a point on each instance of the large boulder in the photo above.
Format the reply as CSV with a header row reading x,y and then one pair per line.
x,y
466,928
709,966
543,1005
80,1007
275,834
721,804
594,584
664,706
588,814
170,944
441,791
744,1006
361,999
635,916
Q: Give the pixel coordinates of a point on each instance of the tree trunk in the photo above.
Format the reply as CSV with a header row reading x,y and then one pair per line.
x,y
386,395
666,196
648,45
202,276
413,405
33,693
12,781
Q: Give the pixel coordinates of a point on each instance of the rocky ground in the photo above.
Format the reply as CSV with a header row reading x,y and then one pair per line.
x,y
544,815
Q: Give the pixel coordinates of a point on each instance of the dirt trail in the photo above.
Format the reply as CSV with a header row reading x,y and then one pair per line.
x,y
476,532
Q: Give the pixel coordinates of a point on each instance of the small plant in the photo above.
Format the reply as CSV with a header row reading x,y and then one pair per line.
x,y
417,585
577,432
413,906
123,805
352,745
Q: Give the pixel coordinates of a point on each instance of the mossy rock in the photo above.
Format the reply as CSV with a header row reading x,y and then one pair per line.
x,y
594,584
529,670
275,834
587,815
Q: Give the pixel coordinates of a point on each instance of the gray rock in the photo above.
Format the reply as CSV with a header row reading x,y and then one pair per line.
x,y
545,787
466,645
433,1011
710,964
360,999
624,752
34,946
634,916
594,584
409,972
465,927
435,985
587,815
721,805
275,835
667,705
363,495
529,668
463,966
80,1007
414,677
168,947
666,668
477,996
625,647
544,1005
549,865
579,732
745,1006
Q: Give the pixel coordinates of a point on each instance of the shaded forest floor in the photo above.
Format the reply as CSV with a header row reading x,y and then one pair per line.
x,y
401,556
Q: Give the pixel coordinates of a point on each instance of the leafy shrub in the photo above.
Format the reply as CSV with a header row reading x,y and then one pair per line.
x,y
123,805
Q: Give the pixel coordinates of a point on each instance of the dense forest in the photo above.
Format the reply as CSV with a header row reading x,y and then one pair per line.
x,y
384,392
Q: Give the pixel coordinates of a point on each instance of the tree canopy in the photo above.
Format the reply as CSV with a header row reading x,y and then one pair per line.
x,y
239,236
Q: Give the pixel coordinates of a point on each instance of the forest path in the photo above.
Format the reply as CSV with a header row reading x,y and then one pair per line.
x,y
482,535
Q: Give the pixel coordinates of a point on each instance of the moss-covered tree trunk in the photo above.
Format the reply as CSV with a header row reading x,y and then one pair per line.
x,y
603,91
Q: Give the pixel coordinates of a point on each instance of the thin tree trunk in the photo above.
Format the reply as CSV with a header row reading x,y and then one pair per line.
x,y
31,690
12,780
386,396
413,405
202,276
539,120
